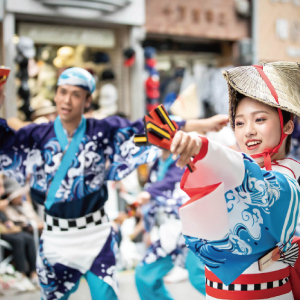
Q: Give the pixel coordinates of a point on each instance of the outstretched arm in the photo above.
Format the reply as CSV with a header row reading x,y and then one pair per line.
x,y
120,149
215,163
125,156
15,150
15,147
202,126
220,171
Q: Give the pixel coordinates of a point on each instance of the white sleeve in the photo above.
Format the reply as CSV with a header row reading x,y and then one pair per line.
x,y
205,215
215,163
218,170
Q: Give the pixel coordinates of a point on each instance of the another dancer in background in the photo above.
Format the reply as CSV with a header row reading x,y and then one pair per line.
x,y
160,201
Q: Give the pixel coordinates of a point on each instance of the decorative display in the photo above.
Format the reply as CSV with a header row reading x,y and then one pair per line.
x,y
152,83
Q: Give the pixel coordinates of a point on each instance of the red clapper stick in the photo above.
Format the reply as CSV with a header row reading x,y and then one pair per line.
x,y
4,72
159,131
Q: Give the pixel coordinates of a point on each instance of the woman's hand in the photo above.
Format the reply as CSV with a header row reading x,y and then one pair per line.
x,y
186,146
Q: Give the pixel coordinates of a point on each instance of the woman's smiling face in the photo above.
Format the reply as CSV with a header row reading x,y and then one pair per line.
x,y
257,127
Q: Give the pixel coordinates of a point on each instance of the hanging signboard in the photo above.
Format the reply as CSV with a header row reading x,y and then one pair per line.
x,y
68,35
214,19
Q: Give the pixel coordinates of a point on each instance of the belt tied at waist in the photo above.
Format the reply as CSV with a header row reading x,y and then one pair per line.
x,y
57,224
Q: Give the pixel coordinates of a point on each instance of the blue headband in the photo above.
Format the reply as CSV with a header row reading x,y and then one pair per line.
x,y
77,77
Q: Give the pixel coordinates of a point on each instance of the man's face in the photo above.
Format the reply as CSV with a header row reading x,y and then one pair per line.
x,y
71,102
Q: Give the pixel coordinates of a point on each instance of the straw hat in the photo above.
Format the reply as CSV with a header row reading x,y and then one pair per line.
x,y
42,107
284,76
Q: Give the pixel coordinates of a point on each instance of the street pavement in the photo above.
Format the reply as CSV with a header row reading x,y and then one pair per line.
x,y
180,291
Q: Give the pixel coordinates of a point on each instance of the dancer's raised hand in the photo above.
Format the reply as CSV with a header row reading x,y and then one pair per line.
x,y
186,146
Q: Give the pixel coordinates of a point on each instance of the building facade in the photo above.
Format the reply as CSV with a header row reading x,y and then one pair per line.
x,y
198,28
107,26
196,38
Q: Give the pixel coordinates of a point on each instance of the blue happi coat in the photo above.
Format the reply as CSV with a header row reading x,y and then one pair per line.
x,y
164,187
106,152
166,197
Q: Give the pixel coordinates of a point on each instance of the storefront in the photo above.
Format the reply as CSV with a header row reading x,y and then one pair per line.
x,y
201,37
88,34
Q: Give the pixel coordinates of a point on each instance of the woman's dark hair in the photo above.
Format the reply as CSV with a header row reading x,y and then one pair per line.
x,y
286,117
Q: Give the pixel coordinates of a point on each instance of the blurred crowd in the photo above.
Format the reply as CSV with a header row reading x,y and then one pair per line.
x,y
20,228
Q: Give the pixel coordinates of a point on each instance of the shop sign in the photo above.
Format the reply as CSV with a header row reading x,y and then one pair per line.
x,y
68,35
206,19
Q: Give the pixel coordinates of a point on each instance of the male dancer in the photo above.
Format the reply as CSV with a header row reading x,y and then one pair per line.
x,y
67,162
162,198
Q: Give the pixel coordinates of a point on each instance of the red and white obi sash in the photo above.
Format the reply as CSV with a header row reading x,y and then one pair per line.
x,y
250,286
282,284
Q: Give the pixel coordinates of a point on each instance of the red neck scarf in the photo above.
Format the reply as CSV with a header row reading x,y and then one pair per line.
x,y
268,153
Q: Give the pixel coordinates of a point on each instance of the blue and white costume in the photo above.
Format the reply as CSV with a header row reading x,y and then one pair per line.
x,y
69,179
255,210
169,249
